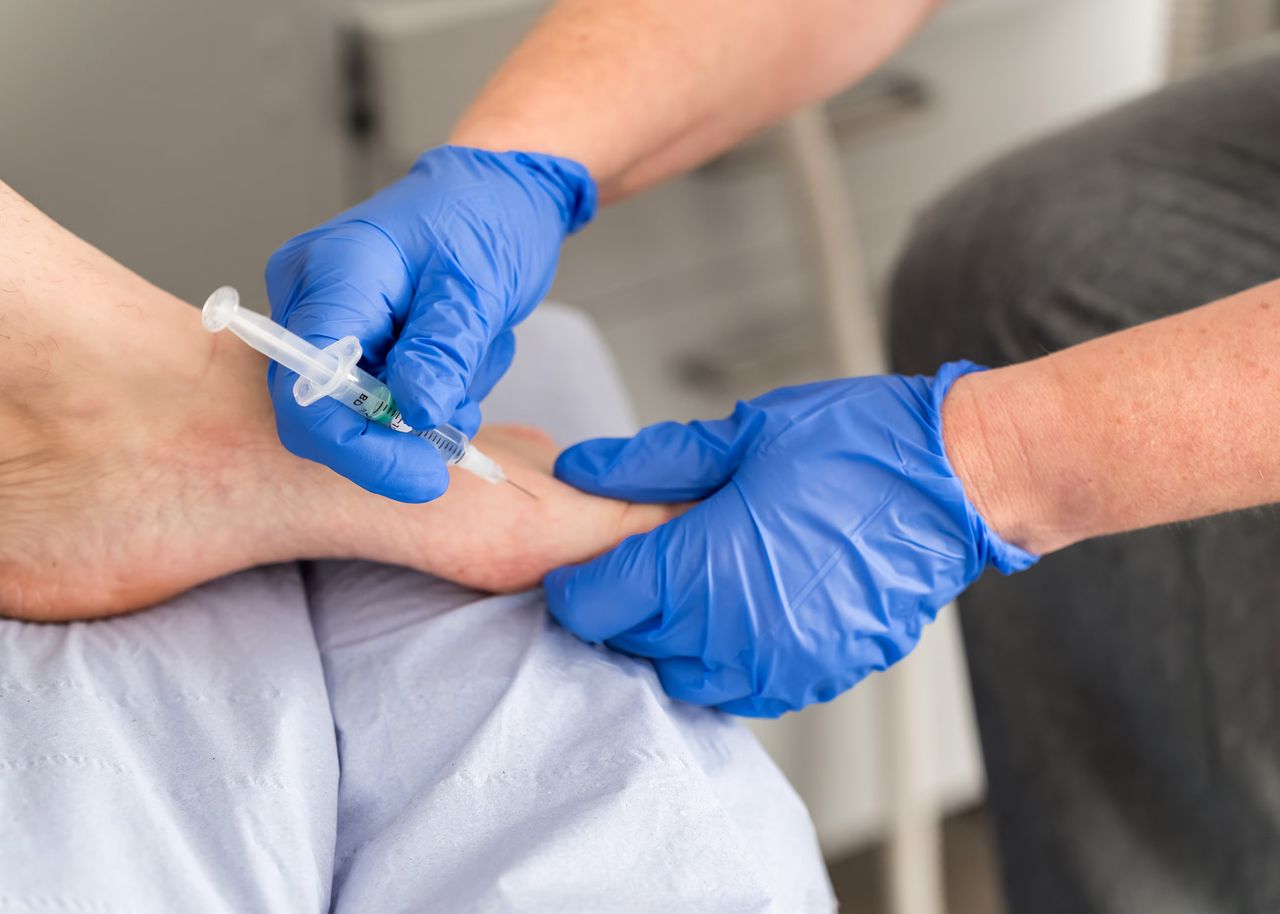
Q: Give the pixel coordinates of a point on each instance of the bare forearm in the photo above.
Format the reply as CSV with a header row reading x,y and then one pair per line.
x,y
1168,421
640,90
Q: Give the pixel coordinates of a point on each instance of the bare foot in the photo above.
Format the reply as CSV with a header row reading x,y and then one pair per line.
x,y
138,457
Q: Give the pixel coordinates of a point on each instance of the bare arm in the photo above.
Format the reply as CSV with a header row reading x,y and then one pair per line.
x,y
1167,421
640,90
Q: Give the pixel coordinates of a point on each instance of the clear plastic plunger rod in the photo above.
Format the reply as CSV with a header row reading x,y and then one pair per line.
x,y
333,372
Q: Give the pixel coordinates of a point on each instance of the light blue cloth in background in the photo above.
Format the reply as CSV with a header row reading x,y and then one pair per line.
x,y
358,738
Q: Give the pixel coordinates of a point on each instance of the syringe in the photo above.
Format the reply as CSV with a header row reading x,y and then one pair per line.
x,y
333,372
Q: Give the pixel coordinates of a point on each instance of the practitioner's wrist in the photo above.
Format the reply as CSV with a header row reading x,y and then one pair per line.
x,y
998,430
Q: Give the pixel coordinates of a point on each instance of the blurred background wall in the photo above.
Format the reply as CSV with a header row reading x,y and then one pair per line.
x,y
189,139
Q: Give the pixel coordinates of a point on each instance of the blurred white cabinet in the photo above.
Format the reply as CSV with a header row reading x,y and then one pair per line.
x,y
185,139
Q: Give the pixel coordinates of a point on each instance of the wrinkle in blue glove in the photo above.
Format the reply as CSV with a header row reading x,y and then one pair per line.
x,y
430,274
830,529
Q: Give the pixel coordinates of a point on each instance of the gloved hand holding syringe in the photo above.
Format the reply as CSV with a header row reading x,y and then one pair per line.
x,y
333,372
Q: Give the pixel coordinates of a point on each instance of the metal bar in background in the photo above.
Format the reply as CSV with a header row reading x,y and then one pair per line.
x,y
1202,30
914,873
1191,35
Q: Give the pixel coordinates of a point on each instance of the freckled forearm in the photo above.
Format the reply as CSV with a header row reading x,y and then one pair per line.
x,y
640,90
1168,421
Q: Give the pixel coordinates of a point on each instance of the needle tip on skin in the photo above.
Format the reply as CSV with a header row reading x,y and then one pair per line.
x,y
522,489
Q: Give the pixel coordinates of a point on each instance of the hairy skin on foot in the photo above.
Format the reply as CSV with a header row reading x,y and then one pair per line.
x,y
138,457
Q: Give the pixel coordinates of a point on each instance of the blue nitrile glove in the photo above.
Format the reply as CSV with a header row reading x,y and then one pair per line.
x,y
429,274
833,530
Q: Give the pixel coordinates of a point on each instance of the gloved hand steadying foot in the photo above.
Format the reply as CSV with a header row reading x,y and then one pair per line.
x,y
430,274
833,529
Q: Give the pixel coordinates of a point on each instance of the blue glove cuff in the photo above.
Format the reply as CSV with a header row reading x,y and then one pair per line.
x,y
573,179
992,549
566,181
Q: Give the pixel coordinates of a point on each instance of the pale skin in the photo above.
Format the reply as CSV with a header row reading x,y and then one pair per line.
x,y
138,457
1164,422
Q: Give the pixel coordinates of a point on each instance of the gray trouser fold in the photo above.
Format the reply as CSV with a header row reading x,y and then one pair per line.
x,y
1128,688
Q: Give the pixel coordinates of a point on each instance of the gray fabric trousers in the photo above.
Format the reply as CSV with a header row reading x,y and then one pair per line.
x,y
1128,689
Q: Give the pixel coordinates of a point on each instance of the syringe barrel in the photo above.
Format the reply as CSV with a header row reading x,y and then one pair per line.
x,y
366,395
356,389
451,443
446,439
